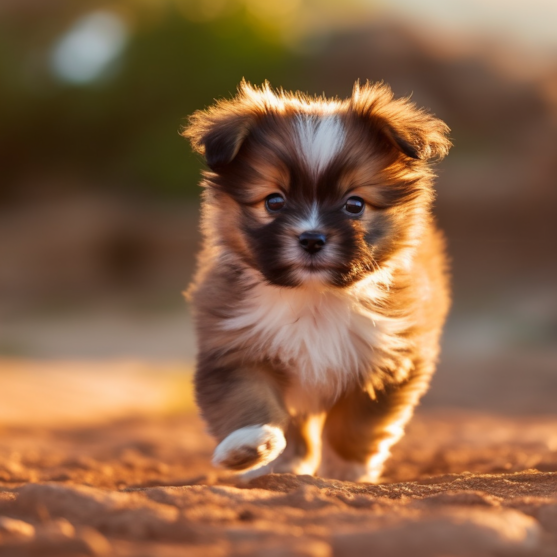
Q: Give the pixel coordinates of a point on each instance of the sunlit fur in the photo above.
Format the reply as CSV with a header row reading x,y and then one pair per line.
x,y
338,344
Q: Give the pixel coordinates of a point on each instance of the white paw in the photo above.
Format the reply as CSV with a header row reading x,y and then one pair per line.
x,y
250,447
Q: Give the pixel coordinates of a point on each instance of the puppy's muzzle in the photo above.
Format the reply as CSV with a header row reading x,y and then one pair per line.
x,y
312,241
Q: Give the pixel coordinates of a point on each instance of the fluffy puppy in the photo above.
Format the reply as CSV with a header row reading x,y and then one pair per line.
x,y
321,289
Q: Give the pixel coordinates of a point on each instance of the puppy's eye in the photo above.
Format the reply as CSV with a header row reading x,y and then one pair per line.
x,y
274,202
354,205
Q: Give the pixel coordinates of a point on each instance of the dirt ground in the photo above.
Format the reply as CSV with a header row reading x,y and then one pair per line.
x,y
138,482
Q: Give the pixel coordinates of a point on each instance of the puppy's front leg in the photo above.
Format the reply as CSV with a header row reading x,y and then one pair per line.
x,y
244,411
360,430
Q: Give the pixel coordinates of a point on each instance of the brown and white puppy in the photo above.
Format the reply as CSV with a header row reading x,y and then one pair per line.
x,y
321,289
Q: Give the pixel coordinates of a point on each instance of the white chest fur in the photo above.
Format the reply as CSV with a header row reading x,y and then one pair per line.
x,y
323,335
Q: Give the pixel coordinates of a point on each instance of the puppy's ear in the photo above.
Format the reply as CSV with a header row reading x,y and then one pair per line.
x,y
412,131
218,132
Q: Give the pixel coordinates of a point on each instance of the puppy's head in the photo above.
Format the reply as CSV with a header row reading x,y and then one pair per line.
x,y
308,189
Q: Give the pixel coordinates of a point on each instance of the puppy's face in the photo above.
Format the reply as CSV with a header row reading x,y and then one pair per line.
x,y
307,190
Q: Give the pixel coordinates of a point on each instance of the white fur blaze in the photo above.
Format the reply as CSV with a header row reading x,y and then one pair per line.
x,y
320,139
250,447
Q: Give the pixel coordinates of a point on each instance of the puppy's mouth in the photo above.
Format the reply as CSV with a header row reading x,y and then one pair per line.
x,y
315,267
323,261
322,269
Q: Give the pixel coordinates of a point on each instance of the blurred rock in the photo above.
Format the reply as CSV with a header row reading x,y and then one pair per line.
x,y
454,532
11,528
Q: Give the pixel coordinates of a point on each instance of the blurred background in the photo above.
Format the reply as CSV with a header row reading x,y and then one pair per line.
x,y
99,195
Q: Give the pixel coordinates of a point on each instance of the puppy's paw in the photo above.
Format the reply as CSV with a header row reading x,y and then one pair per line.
x,y
337,468
298,466
250,447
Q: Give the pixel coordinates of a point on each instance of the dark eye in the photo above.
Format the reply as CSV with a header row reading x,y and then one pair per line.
x,y
354,205
274,202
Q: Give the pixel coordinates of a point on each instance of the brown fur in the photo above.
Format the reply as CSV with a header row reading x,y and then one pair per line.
x,y
381,283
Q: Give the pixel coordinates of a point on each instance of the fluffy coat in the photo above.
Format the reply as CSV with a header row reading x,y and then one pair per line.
x,y
312,361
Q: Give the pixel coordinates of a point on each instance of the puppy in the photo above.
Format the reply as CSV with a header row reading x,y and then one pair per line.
x,y
321,288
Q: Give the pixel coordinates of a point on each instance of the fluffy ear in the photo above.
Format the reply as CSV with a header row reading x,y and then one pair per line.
x,y
414,132
218,132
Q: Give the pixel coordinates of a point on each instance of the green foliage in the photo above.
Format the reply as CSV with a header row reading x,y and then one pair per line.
x,y
122,131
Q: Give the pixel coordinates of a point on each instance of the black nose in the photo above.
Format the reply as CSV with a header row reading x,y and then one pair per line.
x,y
312,241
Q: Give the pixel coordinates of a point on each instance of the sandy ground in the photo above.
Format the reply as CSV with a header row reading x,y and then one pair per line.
x,y
110,476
